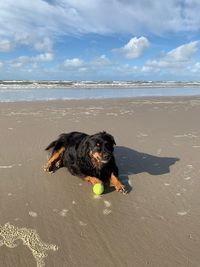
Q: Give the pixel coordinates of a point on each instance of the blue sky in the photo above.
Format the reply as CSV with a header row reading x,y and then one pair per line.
x,y
100,40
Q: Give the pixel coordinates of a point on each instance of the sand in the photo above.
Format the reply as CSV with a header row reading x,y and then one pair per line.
x,y
55,220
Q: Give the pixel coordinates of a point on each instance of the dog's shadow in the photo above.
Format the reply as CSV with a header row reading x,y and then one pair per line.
x,y
130,162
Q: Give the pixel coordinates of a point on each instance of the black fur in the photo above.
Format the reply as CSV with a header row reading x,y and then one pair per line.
x,y
77,154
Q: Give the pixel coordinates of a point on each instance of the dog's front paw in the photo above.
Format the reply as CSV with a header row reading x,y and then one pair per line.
x,y
47,168
123,190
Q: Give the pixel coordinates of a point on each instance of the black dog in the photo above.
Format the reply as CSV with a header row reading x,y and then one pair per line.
x,y
87,156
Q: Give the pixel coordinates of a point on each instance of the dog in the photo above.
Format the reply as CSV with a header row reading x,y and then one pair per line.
x,y
89,157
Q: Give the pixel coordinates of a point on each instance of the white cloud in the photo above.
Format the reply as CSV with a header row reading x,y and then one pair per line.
x,y
134,48
101,61
177,58
73,63
26,60
19,62
45,44
184,52
43,57
195,68
6,45
61,17
23,38
78,64
37,42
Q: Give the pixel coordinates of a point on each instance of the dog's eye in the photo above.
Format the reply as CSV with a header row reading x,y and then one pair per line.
x,y
108,146
98,147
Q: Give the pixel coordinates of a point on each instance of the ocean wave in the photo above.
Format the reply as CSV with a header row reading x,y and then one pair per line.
x,y
14,84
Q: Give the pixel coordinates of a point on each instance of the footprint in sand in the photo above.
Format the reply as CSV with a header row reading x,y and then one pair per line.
x,y
107,209
107,205
32,214
82,223
187,178
182,213
6,167
63,212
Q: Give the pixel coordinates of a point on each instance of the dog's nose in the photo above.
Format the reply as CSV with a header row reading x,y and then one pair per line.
x,y
106,157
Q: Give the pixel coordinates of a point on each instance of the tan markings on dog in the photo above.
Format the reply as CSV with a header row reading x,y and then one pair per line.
x,y
92,180
114,181
96,158
55,157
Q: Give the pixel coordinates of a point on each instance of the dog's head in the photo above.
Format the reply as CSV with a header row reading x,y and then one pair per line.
x,y
100,148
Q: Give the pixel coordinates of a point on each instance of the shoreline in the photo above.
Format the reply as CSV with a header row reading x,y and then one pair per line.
x,y
157,152
111,99
61,94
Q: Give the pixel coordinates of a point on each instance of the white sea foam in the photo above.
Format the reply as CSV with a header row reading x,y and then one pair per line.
x,y
10,234
91,84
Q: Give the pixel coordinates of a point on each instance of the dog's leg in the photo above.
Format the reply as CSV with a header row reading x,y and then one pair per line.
x,y
54,160
119,187
92,180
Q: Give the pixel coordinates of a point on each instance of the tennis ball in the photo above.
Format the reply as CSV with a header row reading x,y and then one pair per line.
x,y
98,188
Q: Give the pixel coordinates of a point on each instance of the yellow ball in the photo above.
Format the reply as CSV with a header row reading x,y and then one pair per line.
x,y
98,188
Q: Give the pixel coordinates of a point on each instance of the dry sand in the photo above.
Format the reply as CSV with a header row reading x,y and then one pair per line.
x,y
55,220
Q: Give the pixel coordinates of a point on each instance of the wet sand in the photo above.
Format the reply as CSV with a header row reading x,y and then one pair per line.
x,y
55,220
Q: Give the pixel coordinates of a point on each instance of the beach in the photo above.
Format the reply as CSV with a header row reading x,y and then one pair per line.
x,y
55,219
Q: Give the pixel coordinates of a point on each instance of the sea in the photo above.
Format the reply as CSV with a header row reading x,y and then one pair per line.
x,y
14,91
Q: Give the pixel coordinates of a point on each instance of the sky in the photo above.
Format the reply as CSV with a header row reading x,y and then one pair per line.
x,y
100,40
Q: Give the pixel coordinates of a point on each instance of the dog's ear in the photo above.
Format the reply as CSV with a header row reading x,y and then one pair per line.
x,y
110,138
